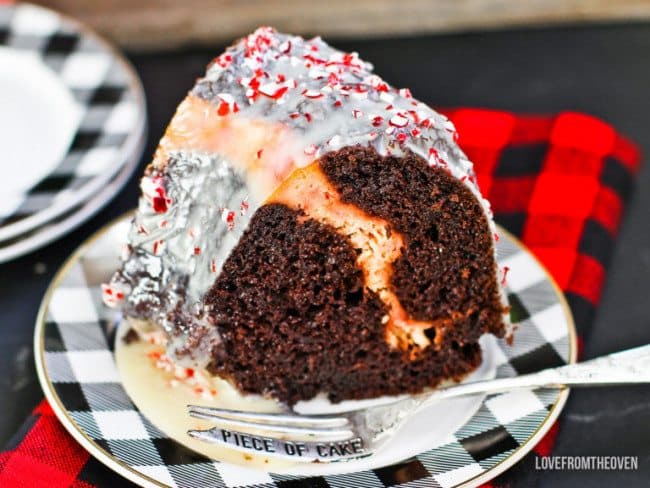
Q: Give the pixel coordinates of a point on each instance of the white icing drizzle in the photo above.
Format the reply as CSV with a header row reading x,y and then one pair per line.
x,y
197,201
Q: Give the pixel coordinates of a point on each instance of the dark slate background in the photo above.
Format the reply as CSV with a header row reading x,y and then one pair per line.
x,y
601,70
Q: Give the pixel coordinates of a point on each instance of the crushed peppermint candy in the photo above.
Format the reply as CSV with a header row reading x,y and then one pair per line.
x,y
113,294
228,217
273,90
281,71
194,380
243,207
313,94
227,104
295,72
154,190
435,159
398,120
158,246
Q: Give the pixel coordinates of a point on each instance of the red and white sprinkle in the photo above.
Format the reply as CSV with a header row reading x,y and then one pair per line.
x,y
113,294
243,207
196,381
405,92
398,120
313,94
273,90
158,246
154,191
227,104
228,217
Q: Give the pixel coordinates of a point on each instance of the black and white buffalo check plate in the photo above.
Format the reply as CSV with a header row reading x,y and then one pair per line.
x,y
76,367
24,243
73,115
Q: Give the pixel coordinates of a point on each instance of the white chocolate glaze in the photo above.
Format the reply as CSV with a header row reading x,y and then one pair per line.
x,y
271,104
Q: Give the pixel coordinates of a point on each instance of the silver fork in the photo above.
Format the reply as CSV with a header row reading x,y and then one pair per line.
x,y
359,433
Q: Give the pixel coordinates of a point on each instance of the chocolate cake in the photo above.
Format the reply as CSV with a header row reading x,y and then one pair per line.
x,y
306,228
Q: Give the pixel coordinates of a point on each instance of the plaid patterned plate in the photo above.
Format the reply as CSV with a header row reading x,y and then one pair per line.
x,y
74,355
24,243
104,92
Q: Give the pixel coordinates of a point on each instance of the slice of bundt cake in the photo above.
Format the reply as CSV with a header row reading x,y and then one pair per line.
x,y
304,227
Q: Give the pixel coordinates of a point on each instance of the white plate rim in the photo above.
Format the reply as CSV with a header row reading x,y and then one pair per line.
x,y
49,233
133,144
143,480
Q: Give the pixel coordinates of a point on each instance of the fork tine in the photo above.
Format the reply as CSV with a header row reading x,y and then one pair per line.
x,y
204,435
275,430
272,418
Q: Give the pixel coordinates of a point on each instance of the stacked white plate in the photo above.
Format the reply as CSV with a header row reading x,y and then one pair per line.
x,y
72,126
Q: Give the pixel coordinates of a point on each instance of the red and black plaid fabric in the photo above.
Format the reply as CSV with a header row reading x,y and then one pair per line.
x,y
558,182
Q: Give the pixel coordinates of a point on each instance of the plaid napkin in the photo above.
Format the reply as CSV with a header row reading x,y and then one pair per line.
x,y
558,182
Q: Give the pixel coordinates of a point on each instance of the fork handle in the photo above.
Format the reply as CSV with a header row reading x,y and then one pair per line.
x,y
625,367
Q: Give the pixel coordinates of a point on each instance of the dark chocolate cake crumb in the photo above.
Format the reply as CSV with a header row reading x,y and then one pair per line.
x,y
131,336
448,265
294,314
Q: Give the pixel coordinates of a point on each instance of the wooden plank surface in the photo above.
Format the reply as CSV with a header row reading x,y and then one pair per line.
x,y
160,24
